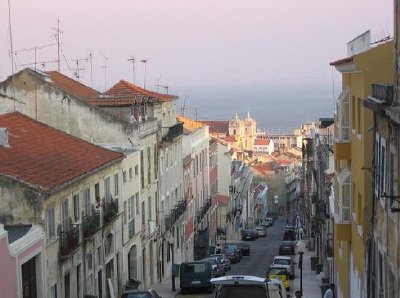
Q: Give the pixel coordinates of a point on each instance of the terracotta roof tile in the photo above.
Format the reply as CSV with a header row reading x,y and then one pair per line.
x,y
261,142
126,89
230,139
71,86
222,199
189,124
44,157
217,126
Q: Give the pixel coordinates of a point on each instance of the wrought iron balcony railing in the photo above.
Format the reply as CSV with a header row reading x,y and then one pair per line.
x,y
91,224
69,241
110,211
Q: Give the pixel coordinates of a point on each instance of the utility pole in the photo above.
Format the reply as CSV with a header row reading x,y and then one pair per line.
x,y
144,61
132,59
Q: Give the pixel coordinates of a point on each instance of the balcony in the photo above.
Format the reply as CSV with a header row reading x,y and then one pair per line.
x,y
383,92
110,211
175,214
90,225
174,132
200,215
69,242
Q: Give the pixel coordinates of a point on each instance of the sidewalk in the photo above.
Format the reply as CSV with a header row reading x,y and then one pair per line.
x,y
164,289
311,281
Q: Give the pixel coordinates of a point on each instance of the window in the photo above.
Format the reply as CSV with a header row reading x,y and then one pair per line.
x,y
376,165
137,203
155,161
343,116
51,224
116,185
76,207
136,170
130,207
99,262
142,168
125,212
382,170
143,214
53,291
391,177
148,165
344,195
107,188
89,261
97,191
130,173
86,196
124,176
64,216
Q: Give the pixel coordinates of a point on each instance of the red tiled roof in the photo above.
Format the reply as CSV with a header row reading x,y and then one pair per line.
x,y
217,126
44,157
230,139
189,124
71,86
126,89
111,102
222,199
261,142
264,168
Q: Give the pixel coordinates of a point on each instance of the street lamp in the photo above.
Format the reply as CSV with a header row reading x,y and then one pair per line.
x,y
171,243
301,271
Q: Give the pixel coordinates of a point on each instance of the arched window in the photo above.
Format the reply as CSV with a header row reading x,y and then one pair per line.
x,y
132,263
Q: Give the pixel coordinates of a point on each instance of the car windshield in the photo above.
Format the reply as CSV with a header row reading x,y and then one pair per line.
x,y
277,271
239,291
287,243
233,247
282,261
194,268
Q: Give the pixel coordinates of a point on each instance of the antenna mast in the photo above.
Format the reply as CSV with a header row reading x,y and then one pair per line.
x,y
144,61
105,70
132,59
58,44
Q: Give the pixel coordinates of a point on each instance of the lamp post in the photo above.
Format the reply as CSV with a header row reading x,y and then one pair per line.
x,y
171,243
301,271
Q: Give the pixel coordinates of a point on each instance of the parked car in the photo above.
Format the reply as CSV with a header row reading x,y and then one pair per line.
x,y
265,223
237,249
196,275
287,262
289,234
270,220
279,272
287,248
249,235
216,265
239,286
276,289
225,260
233,255
150,293
245,249
261,232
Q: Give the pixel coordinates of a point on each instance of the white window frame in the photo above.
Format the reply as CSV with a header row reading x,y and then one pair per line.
x,y
343,119
64,216
76,202
382,171
344,186
51,223
107,188
86,197
116,185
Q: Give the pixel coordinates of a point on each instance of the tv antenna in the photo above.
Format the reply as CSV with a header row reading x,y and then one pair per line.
x,y
164,87
184,108
132,59
57,36
144,61
105,70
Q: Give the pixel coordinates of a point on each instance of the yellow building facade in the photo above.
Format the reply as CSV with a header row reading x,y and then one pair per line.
x,y
354,160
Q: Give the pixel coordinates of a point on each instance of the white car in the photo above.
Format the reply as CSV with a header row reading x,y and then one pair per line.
x,y
261,232
276,289
239,286
287,262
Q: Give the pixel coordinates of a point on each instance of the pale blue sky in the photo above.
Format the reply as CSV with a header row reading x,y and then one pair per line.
x,y
194,43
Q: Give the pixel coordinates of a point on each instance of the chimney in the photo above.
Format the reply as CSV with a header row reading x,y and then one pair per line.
x,y
4,137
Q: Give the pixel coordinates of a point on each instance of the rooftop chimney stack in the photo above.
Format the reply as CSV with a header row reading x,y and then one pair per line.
x,y
4,137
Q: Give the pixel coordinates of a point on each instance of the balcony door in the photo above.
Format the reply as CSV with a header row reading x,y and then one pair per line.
x,y
29,279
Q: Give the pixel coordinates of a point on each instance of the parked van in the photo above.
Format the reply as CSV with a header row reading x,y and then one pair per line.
x,y
195,276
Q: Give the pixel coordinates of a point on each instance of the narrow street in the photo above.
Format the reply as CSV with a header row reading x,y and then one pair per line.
x,y
262,252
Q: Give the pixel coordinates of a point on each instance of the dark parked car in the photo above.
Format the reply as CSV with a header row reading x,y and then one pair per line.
x,y
216,265
287,248
289,234
233,255
225,260
245,249
249,235
140,294
195,276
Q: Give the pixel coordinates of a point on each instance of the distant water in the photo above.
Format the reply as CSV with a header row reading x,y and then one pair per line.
x,y
275,108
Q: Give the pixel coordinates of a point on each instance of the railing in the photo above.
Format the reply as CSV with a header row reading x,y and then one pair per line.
x,y
69,241
200,215
175,214
90,224
383,92
110,211
174,132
